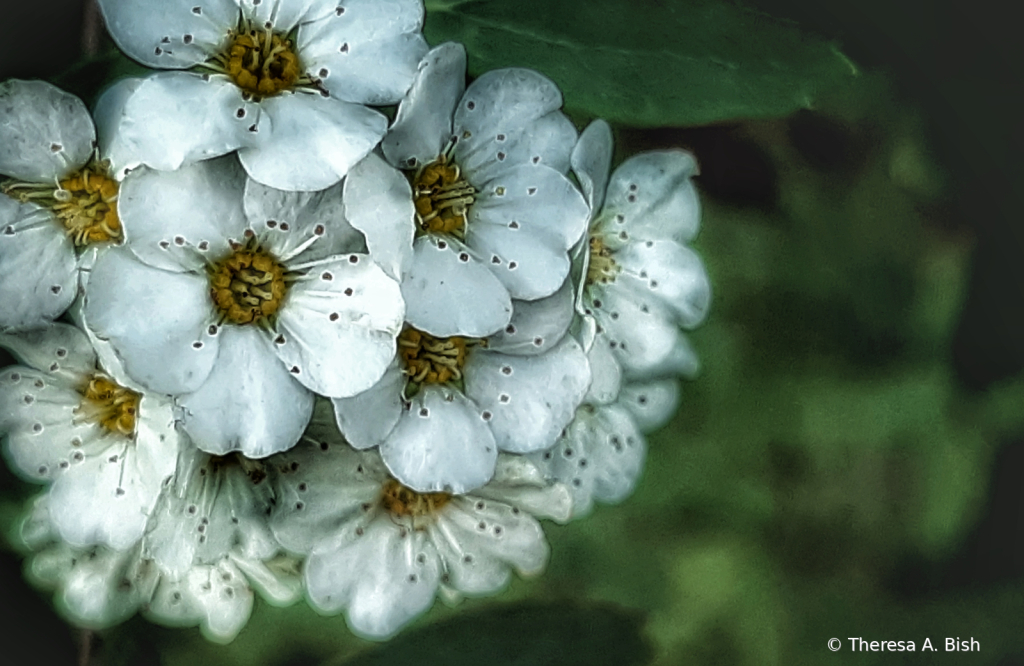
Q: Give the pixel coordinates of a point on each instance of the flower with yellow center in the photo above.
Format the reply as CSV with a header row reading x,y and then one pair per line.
x,y
380,551
105,447
641,282
488,214
446,406
242,306
287,83
58,202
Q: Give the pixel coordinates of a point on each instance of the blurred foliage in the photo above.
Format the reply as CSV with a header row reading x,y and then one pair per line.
x,y
828,450
672,62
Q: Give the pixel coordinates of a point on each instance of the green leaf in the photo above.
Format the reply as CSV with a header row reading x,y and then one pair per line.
x,y
650,62
529,634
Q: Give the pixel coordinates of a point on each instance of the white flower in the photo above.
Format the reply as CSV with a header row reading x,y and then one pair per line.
x,y
105,447
283,81
446,406
490,215
58,206
241,305
380,551
641,282
98,587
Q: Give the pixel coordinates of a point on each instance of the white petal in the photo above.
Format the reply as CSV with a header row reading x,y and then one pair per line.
x,y
370,49
104,589
530,266
536,326
600,457
591,160
538,199
172,33
515,112
520,483
46,133
320,485
36,529
605,372
652,404
166,227
176,118
382,575
651,197
530,398
450,291
226,602
108,116
249,402
378,202
313,141
60,350
488,539
37,415
441,443
284,15
279,581
366,418
423,125
669,275
38,263
287,222
337,326
158,322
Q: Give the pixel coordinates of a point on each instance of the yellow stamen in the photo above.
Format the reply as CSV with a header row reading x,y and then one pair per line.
x,y
430,360
601,268
247,286
401,501
442,197
260,62
112,406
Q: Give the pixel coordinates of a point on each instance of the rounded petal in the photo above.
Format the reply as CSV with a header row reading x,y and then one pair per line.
x,y
337,326
366,418
313,141
283,15
667,275
108,116
216,597
307,224
378,202
38,263
423,125
529,265
536,326
534,200
491,539
446,278
383,576
45,134
511,117
606,375
102,590
369,49
652,404
591,160
441,443
599,458
176,118
59,350
171,34
651,197
520,483
320,485
530,398
164,226
159,323
37,416
249,402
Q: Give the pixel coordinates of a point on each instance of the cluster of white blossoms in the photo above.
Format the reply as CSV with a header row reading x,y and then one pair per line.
x,y
270,341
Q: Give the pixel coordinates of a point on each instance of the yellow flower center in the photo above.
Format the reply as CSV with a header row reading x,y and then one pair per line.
x,y
601,267
248,285
85,203
401,501
430,360
261,62
442,197
112,406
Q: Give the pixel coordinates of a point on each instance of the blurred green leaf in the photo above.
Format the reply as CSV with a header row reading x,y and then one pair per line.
x,y
529,634
648,63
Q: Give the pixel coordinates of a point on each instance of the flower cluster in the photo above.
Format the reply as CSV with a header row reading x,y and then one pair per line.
x,y
268,341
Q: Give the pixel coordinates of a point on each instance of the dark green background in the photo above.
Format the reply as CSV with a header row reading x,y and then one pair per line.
x,y
850,462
